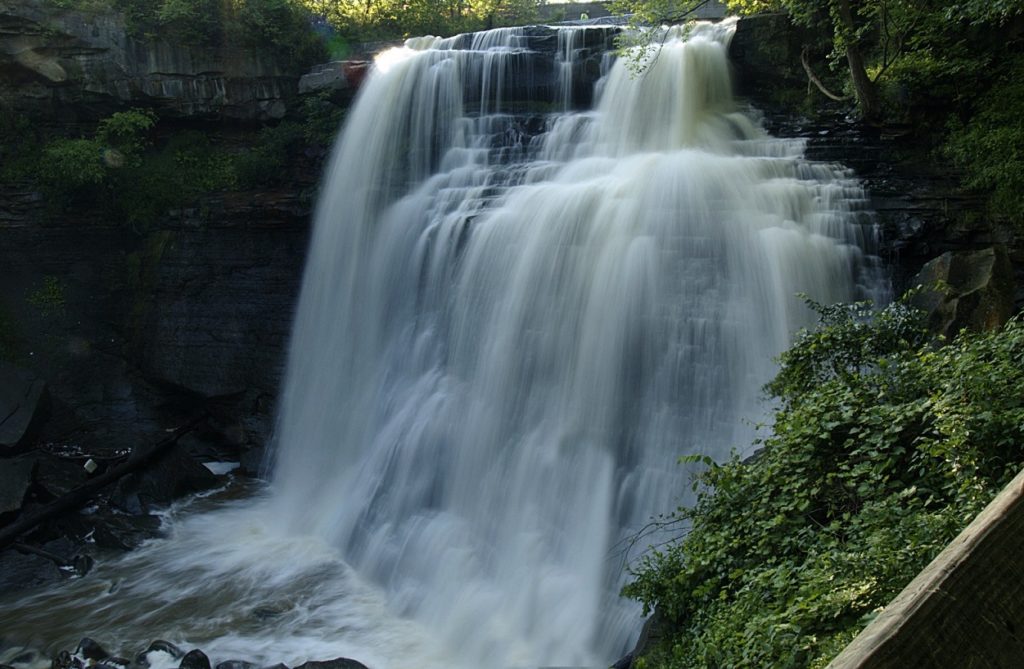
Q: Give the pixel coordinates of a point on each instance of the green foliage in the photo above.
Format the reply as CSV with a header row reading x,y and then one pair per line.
x,y
321,119
369,20
19,146
276,145
884,447
988,145
187,167
71,172
49,297
127,132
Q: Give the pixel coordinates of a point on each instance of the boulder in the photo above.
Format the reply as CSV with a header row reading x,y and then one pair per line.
x,y
236,664
21,571
173,476
337,75
15,479
195,659
967,289
21,398
337,663
91,650
158,646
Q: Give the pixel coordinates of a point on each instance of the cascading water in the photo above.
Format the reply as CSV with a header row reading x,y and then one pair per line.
x,y
515,318
505,342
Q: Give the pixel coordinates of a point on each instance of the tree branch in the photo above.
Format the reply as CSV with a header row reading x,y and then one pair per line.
x,y
813,78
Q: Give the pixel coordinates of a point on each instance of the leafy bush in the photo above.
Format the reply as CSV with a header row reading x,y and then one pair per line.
x,y
187,167
71,172
884,447
987,145
49,297
276,145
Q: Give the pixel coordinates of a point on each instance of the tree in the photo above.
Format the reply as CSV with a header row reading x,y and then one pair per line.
x,y
867,36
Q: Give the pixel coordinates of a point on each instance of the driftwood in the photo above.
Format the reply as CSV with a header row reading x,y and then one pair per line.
x,y
82,494
813,78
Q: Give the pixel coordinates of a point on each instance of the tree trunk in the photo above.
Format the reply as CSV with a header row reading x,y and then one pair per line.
x,y
867,95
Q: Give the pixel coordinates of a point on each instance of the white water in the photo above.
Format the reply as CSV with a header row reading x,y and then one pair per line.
x,y
502,348
505,340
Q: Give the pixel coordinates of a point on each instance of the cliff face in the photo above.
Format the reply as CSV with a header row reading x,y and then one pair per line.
x,y
133,329
72,65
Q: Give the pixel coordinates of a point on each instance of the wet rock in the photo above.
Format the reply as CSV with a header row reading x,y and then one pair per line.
x,y
15,479
91,650
121,532
173,476
967,289
20,571
337,663
66,660
279,665
195,659
21,397
58,476
624,662
166,647
236,664
158,646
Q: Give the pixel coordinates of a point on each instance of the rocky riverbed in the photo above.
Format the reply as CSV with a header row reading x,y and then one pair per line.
x,y
159,654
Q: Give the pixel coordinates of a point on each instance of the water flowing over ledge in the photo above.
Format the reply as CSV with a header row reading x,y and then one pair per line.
x,y
512,325
519,310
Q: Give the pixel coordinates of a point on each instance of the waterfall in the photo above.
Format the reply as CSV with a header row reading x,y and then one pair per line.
x,y
519,311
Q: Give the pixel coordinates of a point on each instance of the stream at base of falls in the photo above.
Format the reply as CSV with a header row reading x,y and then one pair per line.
x,y
535,281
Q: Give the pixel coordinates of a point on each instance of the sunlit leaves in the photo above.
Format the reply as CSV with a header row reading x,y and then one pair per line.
x,y
885,445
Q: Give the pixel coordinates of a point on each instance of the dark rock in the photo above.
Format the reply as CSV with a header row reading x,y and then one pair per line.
x,y
82,565
91,650
159,646
26,656
252,461
654,630
58,476
625,662
121,532
968,289
171,477
15,479
19,571
21,395
337,663
66,660
195,659
236,664
265,613
279,665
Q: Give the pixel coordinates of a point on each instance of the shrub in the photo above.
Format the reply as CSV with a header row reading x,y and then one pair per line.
x,y
884,447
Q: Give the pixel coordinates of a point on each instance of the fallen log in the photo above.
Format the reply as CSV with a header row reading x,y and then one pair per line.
x,y
82,494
